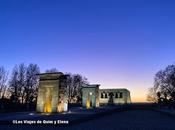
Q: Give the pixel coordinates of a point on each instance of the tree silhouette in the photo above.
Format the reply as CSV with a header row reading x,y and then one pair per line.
x,y
163,90
52,70
3,81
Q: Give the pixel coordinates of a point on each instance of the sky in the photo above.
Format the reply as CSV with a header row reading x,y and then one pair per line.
x,y
115,43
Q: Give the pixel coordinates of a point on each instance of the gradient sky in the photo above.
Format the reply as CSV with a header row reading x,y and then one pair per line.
x,y
118,44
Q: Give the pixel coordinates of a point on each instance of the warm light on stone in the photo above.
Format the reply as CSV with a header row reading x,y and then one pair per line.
x,y
60,107
88,104
47,107
92,96
52,94
65,107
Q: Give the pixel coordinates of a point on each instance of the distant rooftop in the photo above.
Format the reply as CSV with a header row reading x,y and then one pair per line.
x,y
47,73
114,89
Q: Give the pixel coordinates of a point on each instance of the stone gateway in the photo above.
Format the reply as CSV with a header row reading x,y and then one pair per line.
x,y
90,96
52,93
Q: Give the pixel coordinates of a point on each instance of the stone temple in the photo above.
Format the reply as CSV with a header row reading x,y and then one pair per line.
x,y
92,96
53,94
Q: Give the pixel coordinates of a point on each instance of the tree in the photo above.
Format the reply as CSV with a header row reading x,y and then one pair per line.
x,y
13,85
164,85
52,70
32,82
3,81
152,97
17,83
69,83
74,84
23,83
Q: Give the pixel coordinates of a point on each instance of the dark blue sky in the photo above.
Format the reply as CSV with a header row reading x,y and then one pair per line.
x,y
115,43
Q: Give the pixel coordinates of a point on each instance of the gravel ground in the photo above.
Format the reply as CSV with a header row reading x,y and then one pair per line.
x,y
128,120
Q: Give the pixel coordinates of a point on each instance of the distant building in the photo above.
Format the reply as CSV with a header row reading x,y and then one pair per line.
x,y
114,96
92,96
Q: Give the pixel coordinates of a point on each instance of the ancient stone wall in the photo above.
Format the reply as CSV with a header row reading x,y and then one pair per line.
x,y
52,93
115,96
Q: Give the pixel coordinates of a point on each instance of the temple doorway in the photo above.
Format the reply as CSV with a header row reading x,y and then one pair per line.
x,y
48,100
111,101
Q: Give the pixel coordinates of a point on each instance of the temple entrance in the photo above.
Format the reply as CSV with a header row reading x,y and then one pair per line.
x,y
88,104
111,98
89,101
48,100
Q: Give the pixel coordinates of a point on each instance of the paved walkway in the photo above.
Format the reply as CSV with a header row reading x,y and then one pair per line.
x,y
127,120
132,120
73,114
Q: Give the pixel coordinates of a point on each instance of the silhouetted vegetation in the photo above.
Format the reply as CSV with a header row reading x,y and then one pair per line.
x,y
3,81
52,70
18,91
74,85
163,91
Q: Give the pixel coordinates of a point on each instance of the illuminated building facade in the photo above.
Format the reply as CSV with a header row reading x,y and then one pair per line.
x,y
114,96
52,93
92,96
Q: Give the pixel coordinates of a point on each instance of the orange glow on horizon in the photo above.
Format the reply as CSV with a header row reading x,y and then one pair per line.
x,y
138,99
